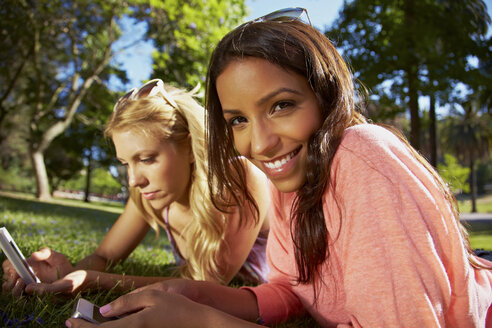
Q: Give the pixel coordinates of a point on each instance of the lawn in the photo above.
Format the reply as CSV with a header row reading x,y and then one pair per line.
x,y
484,204
76,228
480,231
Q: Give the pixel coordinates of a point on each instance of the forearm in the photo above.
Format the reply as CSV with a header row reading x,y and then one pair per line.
x,y
93,262
213,318
119,282
236,302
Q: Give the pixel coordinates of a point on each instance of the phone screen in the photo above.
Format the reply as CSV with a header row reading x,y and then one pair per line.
x,y
97,315
21,258
88,311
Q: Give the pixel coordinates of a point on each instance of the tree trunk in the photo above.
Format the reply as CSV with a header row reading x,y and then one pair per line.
x,y
42,183
414,111
432,131
473,186
412,73
88,176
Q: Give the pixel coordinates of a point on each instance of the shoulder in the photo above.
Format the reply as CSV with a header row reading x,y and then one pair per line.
x,y
369,136
372,143
372,152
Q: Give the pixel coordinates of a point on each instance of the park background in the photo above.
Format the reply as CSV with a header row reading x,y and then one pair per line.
x,y
426,64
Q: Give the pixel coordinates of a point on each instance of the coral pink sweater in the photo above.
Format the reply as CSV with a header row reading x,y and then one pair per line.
x,y
396,255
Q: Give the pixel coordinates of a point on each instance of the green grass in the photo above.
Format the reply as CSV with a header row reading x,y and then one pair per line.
x,y
480,232
74,229
484,204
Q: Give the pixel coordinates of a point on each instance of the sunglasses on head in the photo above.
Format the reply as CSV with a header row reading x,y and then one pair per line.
x,y
282,15
152,88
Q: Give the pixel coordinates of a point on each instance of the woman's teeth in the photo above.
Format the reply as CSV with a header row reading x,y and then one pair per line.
x,y
279,163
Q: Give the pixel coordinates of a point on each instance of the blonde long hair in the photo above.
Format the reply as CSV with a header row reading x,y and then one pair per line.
x,y
155,116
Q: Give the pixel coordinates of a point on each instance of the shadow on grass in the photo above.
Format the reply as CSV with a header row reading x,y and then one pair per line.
x,y
38,207
479,227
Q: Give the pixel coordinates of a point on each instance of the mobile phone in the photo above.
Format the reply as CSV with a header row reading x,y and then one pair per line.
x,y
15,257
83,309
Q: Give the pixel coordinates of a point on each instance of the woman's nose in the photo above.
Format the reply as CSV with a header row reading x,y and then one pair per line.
x,y
264,139
135,179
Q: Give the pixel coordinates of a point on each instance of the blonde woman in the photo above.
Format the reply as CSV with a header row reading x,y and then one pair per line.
x,y
158,133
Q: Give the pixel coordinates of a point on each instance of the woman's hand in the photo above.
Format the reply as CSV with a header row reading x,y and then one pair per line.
x,y
234,301
189,288
72,283
154,308
47,264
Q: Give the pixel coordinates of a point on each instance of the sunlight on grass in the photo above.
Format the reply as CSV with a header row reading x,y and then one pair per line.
x,y
480,234
484,205
75,228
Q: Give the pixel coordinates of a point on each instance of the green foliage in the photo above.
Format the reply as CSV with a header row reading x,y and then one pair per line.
x,y
405,49
13,178
468,133
104,183
54,51
185,33
454,174
64,46
484,176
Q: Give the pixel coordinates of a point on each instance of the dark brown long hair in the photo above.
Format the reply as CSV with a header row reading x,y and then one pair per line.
x,y
299,48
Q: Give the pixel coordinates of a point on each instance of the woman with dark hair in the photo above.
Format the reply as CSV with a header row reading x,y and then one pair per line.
x,y
364,232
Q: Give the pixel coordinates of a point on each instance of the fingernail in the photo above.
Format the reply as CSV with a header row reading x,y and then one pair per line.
x,y
105,309
68,324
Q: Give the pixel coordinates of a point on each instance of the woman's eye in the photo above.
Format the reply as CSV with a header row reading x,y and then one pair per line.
x,y
282,105
237,120
147,160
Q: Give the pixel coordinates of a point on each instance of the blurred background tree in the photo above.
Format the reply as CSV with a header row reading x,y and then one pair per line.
x,y
59,78
185,33
57,65
405,49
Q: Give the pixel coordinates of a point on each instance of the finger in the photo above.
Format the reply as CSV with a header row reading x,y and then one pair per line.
x,y
130,303
129,321
159,286
8,269
9,280
78,323
59,286
43,254
6,265
18,288
141,289
8,285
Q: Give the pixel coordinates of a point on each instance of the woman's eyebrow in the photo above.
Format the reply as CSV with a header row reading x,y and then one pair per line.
x,y
231,111
272,94
263,99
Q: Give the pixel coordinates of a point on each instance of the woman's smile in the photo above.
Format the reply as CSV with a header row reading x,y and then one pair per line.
x,y
272,113
282,164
